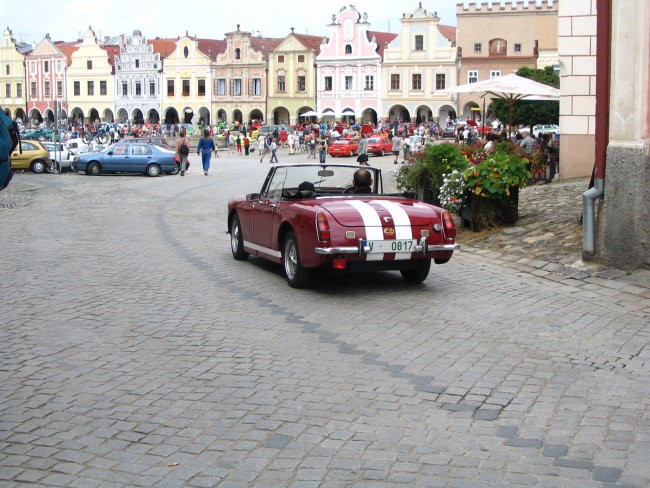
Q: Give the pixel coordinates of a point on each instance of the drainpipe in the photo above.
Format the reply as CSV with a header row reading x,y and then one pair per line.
x,y
603,68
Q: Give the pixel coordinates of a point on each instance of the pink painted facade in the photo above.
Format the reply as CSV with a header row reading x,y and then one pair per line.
x,y
348,68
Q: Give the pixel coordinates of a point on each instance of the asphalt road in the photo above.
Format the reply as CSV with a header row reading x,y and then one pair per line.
x,y
134,351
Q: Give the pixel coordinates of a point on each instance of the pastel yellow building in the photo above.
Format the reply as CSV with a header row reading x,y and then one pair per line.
x,y
90,80
13,89
292,78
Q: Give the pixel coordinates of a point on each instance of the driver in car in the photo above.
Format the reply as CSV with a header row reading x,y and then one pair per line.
x,y
362,181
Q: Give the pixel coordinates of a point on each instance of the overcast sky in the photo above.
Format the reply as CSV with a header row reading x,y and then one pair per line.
x,y
66,20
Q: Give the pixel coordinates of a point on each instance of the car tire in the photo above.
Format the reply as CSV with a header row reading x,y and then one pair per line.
x,y
153,170
38,166
93,169
383,153
351,153
176,170
417,274
237,240
296,274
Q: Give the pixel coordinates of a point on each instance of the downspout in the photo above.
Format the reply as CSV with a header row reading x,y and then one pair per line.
x,y
603,80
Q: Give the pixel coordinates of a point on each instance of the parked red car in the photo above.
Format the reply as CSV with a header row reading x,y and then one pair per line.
x,y
379,145
344,147
309,216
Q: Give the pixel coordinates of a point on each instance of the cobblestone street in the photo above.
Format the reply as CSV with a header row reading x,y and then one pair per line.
x,y
137,352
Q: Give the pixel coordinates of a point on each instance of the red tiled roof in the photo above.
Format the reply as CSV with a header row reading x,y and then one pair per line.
x,y
310,42
449,31
212,47
164,47
67,49
112,51
265,44
382,38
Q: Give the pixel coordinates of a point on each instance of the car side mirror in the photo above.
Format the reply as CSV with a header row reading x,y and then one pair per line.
x,y
252,196
110,153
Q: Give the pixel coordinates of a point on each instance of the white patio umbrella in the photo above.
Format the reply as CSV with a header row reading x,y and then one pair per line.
x,y
311,113
509,87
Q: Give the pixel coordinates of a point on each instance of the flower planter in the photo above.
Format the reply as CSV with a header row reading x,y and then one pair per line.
x,y
481,212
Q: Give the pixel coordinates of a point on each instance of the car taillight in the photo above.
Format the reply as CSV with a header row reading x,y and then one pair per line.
x,y
448,224
322,227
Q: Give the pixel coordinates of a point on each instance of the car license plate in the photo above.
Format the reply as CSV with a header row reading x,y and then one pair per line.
x,y
394,245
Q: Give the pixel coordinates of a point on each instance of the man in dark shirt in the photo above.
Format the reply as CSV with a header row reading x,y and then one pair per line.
x,y
362,181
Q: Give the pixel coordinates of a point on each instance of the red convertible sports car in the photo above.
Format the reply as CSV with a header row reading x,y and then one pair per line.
x,y
310,216
379,145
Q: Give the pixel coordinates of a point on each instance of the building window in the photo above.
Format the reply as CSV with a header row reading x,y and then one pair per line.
x,y
46,66
441,82
370,83
328,83
281,83
7,69
32,66
201,88
89,64
103,91
221,86
416,82
152,88
236,87
348,83
478,48
280,58
76,89
32,89
91,88
138,88
19,90
59,88
186,51
186,88
125,89
301,58
46,88
170,88
517,47
137,63
495,74
419,43
302,86
472,76
257,87
237,53
8,90
348,49
59,65
394,82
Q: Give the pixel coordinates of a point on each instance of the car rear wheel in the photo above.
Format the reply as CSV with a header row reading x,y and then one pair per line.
x,y
176,170
296,274
153,170
93,169
351,153
417,274
237,240
38,166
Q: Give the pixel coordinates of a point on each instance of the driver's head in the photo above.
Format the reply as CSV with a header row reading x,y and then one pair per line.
x,y
362,177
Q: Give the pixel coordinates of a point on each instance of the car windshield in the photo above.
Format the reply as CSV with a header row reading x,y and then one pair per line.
x,y
373,140
325,179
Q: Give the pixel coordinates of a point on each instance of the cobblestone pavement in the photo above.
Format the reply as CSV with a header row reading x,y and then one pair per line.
x,y
136,352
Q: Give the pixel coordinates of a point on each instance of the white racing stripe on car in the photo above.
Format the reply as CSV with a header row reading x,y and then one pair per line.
x,y
374,230
402,224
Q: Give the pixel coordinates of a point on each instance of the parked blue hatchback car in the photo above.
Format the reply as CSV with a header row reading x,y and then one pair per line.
x,y
145,158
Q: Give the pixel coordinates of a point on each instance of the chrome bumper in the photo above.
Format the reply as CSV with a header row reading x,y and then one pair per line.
x,y
423,248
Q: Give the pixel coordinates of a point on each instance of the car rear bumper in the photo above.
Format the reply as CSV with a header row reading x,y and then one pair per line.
x,y
422,248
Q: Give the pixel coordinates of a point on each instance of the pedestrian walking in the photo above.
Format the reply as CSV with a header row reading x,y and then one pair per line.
x,y
322,150
238,144
247,145
274,148
397,141
204,149
183,150
363,144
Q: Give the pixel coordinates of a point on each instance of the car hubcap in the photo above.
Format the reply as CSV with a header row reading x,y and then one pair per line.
x,y
290,260
234,237
38,167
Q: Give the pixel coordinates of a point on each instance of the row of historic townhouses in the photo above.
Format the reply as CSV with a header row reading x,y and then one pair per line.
x,y
12,64
90,81
292,78
348,69
138,81
417,65
46,73
499,39
241,78
187,78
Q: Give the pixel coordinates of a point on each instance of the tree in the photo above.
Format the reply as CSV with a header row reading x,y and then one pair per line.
x,y
531,113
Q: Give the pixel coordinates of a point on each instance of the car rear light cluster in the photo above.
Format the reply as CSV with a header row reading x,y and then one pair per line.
x,y
322,227
448,224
